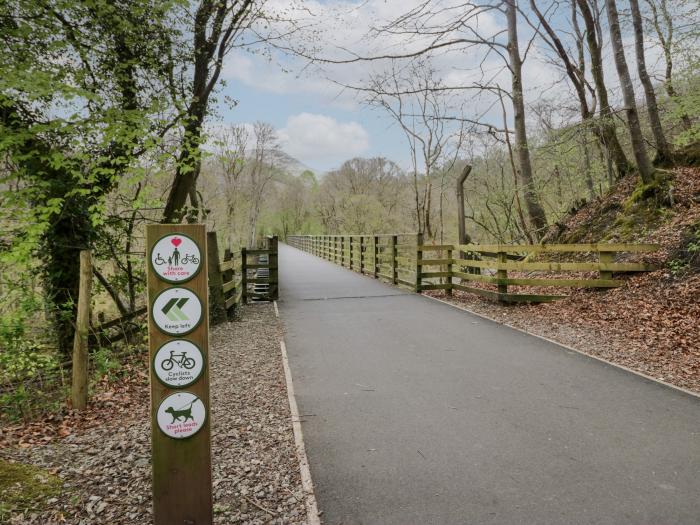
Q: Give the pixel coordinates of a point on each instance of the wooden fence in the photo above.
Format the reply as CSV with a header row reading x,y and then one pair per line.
x,y
250,275
404,260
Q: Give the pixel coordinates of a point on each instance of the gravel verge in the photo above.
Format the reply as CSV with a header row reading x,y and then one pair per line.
x,y
106,470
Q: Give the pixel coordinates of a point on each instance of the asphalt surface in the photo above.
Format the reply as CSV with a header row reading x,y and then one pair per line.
x,y
415,412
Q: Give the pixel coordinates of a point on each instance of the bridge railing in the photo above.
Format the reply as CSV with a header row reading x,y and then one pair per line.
x,y
404,260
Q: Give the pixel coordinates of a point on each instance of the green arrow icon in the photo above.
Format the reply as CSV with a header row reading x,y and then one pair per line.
x,y
172,309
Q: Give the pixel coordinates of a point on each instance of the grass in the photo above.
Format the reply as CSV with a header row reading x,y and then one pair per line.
x,y
25,487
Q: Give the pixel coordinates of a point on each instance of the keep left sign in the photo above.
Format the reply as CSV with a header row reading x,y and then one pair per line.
x,y
177,311
176,258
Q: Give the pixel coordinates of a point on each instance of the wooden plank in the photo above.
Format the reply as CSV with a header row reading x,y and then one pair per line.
x,y
558,266
228,265
476,277
434,262
430,275
441,286
261,280
435,247
510,297
227,287
257,252
264,265
559,248
573,283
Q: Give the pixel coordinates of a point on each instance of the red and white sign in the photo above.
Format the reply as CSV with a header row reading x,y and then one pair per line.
x,y
181,415
176,258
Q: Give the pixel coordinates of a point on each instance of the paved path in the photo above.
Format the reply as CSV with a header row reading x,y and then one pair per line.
x,y
419,413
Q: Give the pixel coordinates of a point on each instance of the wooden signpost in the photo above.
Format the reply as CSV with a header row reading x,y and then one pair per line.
x,y
178,329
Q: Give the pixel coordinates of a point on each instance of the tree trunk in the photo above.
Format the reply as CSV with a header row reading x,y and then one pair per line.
x,y
464,238
536,212
607,126
79,384
663,152
635,129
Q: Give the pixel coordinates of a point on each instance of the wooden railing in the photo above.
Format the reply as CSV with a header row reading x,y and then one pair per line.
x,y
238,278
453,267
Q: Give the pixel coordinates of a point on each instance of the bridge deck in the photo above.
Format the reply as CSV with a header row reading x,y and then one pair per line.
x,y
418,413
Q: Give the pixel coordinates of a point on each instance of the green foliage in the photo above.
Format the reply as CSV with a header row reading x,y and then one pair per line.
x,y
25,488
105,364
687,258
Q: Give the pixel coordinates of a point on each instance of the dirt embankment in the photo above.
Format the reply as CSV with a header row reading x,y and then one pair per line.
x,y
652,323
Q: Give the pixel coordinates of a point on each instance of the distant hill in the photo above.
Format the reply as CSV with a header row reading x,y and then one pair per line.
x,y
290,164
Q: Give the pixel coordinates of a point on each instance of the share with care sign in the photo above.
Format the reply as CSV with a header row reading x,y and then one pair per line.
x,y
176,258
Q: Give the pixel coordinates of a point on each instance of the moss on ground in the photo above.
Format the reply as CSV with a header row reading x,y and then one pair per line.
x,y
25,487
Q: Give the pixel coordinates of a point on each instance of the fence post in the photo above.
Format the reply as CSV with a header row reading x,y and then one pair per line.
x,y
375,259
350,262
449,271
272,264
79,386
217,303
502,274
342,250
605,258
227,276
362,254
244,276
394,263
419,260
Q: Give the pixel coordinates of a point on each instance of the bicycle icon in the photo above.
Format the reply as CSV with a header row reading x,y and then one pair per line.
x,y
181,360
190,259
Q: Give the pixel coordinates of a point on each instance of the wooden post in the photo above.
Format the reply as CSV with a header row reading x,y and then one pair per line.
x,y
217,303
394,265
449,271
502,274
375,259
178,322
350,252
244,276
605,258
342,250
362,254
273,265
228,276
79,386
419,260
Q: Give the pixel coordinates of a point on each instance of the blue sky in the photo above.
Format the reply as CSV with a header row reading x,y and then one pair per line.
x,y
323,125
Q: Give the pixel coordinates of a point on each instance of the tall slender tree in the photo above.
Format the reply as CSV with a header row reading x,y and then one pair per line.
x,y
635,129
663,151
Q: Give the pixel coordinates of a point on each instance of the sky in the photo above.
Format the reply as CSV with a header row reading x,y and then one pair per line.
x,y
322,124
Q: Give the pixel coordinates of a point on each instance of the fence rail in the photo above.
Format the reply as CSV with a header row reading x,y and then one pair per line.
x,y
248,275
402,260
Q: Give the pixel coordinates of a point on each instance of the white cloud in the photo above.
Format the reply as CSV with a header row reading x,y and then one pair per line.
x,y
320,139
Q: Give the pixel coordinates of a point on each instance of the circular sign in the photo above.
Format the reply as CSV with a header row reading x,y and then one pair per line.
x,y
176,258
181,415
177,311
178,363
